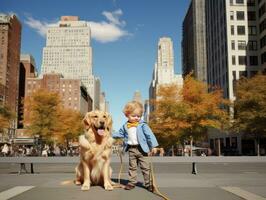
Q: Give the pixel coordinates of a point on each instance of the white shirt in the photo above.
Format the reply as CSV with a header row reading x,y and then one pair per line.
x,y
132,136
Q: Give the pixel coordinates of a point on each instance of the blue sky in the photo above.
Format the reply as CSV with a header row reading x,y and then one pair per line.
x,y
125,34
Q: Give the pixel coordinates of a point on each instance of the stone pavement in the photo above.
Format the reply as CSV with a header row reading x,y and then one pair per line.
x,y
219,181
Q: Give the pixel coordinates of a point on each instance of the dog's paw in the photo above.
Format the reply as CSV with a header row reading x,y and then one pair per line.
x,y
108,187
77,182
85,187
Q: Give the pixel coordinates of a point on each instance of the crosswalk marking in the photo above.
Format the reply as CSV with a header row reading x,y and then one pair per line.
x,y
243,193
7,194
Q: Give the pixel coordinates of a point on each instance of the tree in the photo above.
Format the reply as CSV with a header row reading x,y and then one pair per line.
x,y
6,116
69,126
42,107
187,113
168,118
250,107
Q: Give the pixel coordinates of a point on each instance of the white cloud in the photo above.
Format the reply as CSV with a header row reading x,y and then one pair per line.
x,y
113,17
39,26
105,31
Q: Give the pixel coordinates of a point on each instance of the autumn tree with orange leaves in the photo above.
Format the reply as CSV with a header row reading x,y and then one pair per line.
x,y
48,119
42,111
6,117
186,113
69,126
250,108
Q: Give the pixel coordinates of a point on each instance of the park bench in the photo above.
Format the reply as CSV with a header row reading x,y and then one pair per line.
x,y
22,161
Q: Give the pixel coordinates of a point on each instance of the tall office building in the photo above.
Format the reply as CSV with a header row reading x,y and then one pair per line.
x,y
261,29
165,61
104,105
163,72
10,34
235,47
137,96
27,69
68,52
236,41
194,57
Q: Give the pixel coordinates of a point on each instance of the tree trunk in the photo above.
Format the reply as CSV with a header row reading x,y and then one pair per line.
x,y
257,142
173,154
219,147
191,145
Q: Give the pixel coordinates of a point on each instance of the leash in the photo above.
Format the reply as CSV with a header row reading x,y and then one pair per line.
x,y
119,153
153,183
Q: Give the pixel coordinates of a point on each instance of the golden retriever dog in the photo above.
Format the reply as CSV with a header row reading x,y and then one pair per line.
x,y
95,151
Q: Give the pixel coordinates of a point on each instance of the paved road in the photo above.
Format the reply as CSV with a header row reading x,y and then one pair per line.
x,y
219,181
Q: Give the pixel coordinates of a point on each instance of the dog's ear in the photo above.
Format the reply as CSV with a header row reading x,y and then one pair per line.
x,y
109,122
87,121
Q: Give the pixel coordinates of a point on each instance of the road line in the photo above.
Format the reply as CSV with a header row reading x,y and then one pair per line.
x,y
243,193
7,194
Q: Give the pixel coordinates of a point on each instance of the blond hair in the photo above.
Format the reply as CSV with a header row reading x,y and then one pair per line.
x,y
133,107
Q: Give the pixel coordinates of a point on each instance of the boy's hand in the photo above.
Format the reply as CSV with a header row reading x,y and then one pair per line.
x,y
152,152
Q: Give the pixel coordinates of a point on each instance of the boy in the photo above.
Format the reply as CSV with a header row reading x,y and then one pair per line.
x,y
139,141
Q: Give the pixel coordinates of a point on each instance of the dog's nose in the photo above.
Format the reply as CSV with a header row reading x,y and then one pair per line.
x,y
102,123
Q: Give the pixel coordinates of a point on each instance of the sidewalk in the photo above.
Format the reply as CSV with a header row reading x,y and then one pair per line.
x,y
219,181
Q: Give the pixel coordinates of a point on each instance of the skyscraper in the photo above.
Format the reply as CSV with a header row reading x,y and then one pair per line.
x,y
10,34
69,53
165,61
137,96
235,41
163,72
194,58
235,47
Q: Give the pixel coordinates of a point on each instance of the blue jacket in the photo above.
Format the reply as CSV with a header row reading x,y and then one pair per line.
x,y
145,136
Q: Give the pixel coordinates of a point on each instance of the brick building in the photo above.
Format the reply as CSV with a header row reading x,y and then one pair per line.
x,y
72,92
27,69
10,41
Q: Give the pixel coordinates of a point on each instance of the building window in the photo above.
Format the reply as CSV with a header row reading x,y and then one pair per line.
x,y
240,15
242,60
240,1
233,45
263,58
233,60
232,15
251,15
263,41
234,81
253,60
262,25
243,74
241,45
251,2
262,9
252,45
232,30
252,30
240,30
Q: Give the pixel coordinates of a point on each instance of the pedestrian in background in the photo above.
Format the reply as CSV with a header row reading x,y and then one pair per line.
x,y
5,150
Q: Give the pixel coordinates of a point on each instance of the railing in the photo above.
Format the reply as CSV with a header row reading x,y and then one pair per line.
x,y
155,159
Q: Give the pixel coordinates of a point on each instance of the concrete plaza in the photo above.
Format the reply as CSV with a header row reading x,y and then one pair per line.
x,y
216,180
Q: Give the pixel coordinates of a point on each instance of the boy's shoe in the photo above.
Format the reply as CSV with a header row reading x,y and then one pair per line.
x,y
129,186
